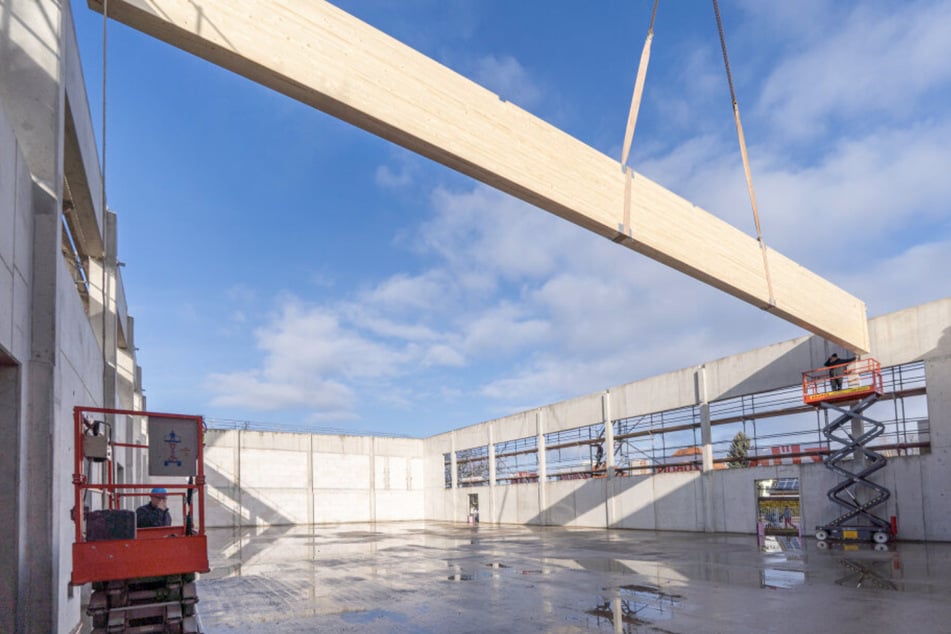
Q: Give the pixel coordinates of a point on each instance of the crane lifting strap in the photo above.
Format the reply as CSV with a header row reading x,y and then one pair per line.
x,y
632,120
744,155
638,88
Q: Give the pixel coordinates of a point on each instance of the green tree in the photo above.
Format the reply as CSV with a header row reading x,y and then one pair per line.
x,y
738,458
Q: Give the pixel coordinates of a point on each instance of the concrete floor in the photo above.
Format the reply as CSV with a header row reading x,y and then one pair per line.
x,y
437,577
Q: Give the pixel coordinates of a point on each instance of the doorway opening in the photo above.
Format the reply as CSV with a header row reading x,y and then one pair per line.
x,y
778,507
473,508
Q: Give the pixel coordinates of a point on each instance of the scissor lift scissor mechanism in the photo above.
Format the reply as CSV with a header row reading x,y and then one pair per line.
x,y
849,390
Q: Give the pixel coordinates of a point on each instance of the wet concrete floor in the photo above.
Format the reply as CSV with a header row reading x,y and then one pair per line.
x,y
439,577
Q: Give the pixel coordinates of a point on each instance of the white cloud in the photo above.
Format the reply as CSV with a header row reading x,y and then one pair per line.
x,y
256,391
871,63
911,277
402,170
502,329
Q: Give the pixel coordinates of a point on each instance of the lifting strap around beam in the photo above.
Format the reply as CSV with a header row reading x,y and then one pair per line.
x,y
745,156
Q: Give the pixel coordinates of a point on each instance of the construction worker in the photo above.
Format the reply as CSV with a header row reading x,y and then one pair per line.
x,y
155,512
837,369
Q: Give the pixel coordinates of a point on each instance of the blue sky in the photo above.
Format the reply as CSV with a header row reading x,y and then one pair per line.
x,y
284,267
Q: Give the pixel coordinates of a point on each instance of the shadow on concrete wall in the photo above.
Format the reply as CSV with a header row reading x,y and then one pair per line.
x,y
249,515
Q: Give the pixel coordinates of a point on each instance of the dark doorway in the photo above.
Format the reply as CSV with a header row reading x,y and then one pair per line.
x,y
473,508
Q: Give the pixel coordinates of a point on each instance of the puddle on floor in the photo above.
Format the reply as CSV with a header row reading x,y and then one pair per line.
x,y
367,616
634,605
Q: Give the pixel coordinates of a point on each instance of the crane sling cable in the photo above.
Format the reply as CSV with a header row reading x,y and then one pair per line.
x,y
745,156
102,186
632,120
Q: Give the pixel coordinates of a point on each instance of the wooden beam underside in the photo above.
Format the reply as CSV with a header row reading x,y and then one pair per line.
x,y
324,57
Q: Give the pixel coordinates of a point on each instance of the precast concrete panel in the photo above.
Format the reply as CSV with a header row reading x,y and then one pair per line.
x,y
416,479
472,436
514,427
897,338
655,394
433,472
275,441
912,334
341,471
341,506
22,326
934,324
222,438
398,506
273,468
759,370
936,494
87,155
7,306
23,272
590,501
676,501
634,503
561,503
267,505
506,505
9,158
221,465
222,507
341,444
76,340
905,476
400,471
391,473
577,412
938,377
406,447
436,502
438,444
529,511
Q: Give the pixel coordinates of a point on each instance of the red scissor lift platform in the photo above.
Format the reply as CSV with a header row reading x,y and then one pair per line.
x,y
143,578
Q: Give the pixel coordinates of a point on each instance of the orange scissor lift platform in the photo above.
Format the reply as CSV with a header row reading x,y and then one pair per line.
x,y
154,551
143,578
858,379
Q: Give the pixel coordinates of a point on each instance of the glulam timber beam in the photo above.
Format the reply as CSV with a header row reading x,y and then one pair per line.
x,y
318,54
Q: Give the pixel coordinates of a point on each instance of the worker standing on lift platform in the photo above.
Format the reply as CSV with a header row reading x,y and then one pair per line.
x,y
836,369
155,512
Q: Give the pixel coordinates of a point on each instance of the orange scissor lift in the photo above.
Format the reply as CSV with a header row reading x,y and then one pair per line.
x,y
142,578
849,389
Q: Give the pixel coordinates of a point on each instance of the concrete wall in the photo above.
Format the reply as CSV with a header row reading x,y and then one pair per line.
x,y
60,346
269,478
717,500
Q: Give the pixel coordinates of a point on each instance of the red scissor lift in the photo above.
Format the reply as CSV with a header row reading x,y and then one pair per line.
x,y
849,389
143,578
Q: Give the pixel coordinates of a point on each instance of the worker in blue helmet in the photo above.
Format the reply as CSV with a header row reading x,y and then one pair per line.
x,y
155,513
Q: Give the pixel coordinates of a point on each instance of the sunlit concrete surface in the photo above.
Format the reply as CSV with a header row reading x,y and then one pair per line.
x,y
437,577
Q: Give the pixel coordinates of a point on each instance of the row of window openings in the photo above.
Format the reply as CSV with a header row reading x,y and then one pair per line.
x,y
777,427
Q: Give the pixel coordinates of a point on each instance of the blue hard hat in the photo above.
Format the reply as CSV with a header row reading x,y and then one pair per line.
x,y
159,491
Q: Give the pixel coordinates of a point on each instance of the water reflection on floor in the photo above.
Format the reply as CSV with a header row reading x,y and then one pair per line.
x,y
436,577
